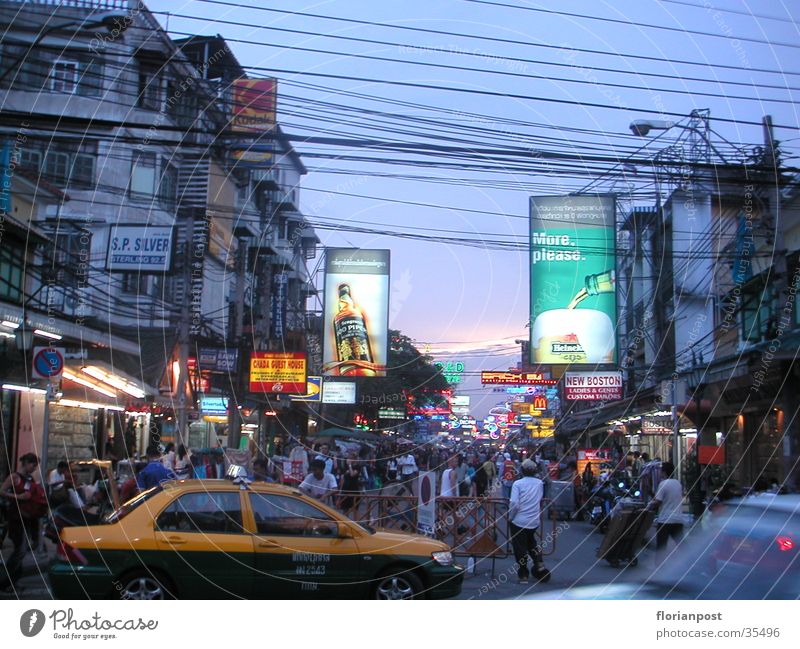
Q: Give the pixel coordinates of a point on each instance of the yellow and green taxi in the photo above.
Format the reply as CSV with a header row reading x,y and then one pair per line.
x,y
207,539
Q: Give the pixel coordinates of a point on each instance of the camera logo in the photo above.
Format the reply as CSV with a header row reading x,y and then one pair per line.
x,y
31,622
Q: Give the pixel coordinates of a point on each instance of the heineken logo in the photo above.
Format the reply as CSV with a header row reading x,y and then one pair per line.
x,y
566,348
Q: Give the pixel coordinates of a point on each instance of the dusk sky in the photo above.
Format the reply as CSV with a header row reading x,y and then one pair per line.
x,y
535,78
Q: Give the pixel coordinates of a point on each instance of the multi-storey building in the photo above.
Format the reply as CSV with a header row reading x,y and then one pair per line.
x,y
113,130
708,323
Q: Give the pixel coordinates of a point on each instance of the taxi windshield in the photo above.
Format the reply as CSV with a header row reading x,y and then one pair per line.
x,y
133,503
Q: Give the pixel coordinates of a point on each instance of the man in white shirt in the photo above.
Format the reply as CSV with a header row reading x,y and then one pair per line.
x,y
325,455
524,515
408,470
318,484
669,501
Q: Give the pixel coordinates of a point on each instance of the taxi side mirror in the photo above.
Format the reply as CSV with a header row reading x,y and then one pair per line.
x,y
346,532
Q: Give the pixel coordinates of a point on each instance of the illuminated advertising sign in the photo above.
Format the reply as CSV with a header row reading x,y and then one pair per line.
x,y
218,359
213,405
338,392
254,105
593,386
313,390
278,372
391,413
140,248
452,371
515,378
459,401
539,403
573,280
656,425
356,312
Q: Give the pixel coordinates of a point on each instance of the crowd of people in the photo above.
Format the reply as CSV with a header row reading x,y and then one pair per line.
x,y
339,474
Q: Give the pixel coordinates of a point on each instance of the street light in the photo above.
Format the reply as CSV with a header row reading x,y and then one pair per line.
x,y
642,127
109,20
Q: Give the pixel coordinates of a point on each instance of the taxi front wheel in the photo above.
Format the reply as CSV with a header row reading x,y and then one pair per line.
x,y
143,584
399,585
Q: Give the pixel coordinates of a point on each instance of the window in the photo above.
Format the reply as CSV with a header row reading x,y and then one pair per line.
x,y
180,104
82,170
288,516
758,311
12,262
208,512
57,165
75,73
143,175
149,95
62,163
30,158
64,76
71,256
168,185
134,283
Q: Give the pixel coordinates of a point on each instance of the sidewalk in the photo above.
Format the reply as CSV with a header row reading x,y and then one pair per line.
x,y
33,584
572,563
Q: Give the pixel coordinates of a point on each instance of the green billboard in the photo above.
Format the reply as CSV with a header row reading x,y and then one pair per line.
x,y
573,280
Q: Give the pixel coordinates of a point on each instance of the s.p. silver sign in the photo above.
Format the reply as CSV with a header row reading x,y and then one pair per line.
x,y
140,248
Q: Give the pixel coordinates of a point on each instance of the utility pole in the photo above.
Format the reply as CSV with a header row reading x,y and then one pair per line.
x,y
676,435
234,414
189,323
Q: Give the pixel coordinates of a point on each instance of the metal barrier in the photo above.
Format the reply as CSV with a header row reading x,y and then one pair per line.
x,y
472,527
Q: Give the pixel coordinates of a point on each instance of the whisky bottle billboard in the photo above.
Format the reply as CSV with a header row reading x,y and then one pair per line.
x,y
353,349
573,280
356,312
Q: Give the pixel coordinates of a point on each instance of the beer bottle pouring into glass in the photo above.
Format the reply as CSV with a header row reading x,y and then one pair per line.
x,y
594,285
353,347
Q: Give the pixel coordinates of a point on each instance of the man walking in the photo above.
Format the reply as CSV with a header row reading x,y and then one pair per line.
x,y
408,470
669,502
524,515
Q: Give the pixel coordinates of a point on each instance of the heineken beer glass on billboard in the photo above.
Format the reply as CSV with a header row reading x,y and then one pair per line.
x,y
573,280
356,312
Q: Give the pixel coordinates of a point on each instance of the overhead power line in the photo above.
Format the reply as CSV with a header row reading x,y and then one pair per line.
x,y
495,39
633,23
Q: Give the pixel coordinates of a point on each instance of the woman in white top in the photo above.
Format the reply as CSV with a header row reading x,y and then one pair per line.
x,y
168,460
449,480
183,463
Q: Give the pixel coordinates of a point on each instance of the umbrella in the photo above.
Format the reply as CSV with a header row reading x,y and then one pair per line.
x,y
404,442
344,433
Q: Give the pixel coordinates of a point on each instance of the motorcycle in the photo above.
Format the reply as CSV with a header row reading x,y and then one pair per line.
x,y
605,497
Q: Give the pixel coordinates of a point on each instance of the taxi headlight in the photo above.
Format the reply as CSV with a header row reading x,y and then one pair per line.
x,y
443,558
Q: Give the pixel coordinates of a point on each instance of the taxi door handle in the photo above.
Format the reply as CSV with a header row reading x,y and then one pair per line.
x,y
175,540
269,544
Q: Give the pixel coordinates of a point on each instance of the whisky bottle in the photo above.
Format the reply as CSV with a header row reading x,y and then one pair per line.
x,y
353,349
604,282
